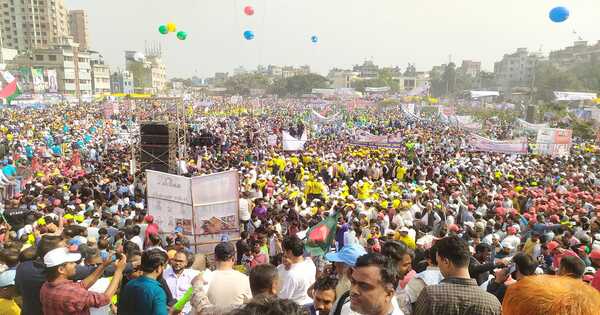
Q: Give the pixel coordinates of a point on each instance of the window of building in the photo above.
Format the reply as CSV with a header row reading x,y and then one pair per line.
x,y
52,57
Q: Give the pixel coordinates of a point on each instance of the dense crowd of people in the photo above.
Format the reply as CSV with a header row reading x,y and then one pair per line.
x,y
424,227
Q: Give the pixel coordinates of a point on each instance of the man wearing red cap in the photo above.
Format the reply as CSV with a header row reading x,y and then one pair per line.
x,y
595,258
558,253
152,228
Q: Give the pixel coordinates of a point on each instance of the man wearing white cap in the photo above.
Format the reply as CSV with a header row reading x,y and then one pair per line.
x,y
7,293
59,295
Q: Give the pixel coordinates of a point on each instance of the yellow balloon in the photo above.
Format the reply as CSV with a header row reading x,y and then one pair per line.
x,y
171,27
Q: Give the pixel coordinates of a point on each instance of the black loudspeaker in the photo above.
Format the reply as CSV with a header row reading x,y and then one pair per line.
x,y
530,116
158,146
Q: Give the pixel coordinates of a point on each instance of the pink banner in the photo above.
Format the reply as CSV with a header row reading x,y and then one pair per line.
x,y
516,146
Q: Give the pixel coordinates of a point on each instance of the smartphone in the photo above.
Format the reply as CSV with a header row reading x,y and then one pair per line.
x,y
512,268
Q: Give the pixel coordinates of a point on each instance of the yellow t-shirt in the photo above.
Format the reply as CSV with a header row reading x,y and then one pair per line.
x,y
407,240
9,307
400,173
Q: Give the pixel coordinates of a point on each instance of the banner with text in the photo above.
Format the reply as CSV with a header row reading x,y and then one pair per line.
x,y
204,207
554,142
290,143
483,144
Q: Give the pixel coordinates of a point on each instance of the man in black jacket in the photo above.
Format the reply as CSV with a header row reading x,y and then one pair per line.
x,y
524,265
481,264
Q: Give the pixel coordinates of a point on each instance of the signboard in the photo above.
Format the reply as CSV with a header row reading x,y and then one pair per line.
x,y
170,214
52,81
38,80
216,211
205,207
574,96
168,187
478,94
292,144
554,142
377,89
531,127
482,144
272,140
447,110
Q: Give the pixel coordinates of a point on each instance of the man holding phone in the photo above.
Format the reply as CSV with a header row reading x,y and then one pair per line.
x,y
481,264
522,265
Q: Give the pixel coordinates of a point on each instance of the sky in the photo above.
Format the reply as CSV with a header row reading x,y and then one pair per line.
x,y
389,32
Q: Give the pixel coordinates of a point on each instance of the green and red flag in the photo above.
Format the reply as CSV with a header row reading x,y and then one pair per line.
x,y
320,237
9,89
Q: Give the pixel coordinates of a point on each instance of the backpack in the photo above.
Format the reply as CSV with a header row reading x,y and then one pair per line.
x,y
341,302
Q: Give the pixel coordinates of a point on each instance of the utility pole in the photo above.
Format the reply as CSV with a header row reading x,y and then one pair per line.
x,y
76,65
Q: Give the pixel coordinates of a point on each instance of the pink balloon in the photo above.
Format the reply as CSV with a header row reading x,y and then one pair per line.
x,y
248,10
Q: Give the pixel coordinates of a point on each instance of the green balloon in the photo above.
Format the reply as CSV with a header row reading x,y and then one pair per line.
x,y
163,29
181,35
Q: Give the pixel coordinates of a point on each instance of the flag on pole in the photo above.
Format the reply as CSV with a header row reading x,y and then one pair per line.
x,y
9,89
320,237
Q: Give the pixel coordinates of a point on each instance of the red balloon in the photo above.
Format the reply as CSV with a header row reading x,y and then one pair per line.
x,y
249,10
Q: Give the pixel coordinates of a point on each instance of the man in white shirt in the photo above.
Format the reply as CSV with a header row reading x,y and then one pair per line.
x,y
374,280
179,277
511,240
227,286
296,274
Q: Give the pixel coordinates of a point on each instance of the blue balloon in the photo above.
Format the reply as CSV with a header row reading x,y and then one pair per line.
x,y
314,39
559,14
249,35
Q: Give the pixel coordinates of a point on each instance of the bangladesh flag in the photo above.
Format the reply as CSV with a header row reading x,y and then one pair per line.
x,y
10,89
319,238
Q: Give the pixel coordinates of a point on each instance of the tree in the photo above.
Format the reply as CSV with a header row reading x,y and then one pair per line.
x,y
549,79
485,80
410,70
385,78
298,85
581,129
449,77
241,84
438,85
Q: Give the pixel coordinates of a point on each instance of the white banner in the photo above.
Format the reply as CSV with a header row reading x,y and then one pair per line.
x,y
377,89
410,116
574,96
419,90
530,126
483,144
478,94
322,119
170,214
272,140
215,188
52,81
554,142
216,211
168,187
206,207
292,144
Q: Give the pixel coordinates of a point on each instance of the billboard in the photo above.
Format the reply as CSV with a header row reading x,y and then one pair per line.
x,y
52,81
39,85
482,144
206,214
554,142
